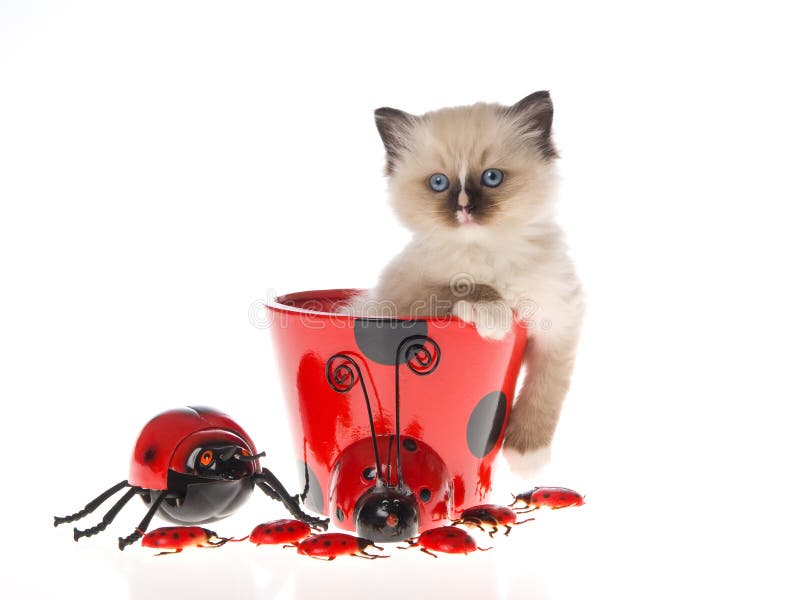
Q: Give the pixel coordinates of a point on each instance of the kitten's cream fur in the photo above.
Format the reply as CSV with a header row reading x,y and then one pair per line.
x,y
512,257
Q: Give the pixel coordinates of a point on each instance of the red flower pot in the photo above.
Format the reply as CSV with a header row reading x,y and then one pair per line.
x,y
453,389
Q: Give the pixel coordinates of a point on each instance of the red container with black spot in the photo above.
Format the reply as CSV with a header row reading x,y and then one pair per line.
x,y
454,391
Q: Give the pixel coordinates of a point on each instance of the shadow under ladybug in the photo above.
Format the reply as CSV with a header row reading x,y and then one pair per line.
x,y
192,465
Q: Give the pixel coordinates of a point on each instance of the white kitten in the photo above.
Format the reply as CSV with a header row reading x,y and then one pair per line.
x,y
476,186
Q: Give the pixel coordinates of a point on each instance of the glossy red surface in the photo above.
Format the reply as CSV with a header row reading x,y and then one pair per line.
x,y
168,438
472,389
424,472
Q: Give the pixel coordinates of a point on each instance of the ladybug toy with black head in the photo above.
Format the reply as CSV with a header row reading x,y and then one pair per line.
x,y
192,465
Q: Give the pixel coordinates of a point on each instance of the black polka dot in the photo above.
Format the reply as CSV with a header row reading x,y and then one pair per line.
x,y
486,423
149,455
313,498
279,529
291,528
425,494
339,513
191,535
369,473
343,543
378,339
268,530
162,533
176,535
327,543
409,444
545,495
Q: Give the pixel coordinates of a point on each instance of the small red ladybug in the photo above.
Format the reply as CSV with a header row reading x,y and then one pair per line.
x,y
178,538
547,497
491,515
327,546
282,531
449,539
192,465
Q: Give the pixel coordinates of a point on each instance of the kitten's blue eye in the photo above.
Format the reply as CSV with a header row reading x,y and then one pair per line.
x,y
438,182
492,177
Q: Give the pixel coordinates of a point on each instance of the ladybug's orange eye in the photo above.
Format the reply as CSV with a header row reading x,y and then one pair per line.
x,y
206,458
245,452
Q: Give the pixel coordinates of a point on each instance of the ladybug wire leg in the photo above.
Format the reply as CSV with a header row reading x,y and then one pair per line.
x,y
426,551
137,533
107,518
367,555
289,501
91,506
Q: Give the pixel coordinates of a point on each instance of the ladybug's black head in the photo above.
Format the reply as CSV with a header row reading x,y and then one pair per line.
x,y
220,462
386,514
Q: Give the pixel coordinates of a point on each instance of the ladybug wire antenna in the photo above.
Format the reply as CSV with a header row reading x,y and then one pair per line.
x,y
421,355
241,457
341,378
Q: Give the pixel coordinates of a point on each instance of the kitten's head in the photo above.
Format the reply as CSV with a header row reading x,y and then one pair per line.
x,y
470,170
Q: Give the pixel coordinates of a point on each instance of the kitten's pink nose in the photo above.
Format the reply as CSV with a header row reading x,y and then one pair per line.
x,y
463,199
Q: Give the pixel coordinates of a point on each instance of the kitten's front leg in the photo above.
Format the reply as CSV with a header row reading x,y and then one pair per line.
x,y
483,306
549,360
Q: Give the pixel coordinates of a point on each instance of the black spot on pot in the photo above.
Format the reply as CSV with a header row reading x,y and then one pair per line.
x,y
486,423
409,444
378,339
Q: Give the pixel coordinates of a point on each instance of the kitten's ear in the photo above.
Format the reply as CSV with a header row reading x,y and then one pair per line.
x,y
394,127
534,116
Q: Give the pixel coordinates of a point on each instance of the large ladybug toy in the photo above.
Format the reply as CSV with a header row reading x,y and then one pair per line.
x,y
191,465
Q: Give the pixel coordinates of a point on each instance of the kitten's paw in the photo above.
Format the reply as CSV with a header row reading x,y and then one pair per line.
x,y
526,464
491,319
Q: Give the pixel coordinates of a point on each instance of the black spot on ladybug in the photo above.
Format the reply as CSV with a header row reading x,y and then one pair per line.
x,y
314,541
425,494
369,473
409,444
176,535
279,529
378,339
192,535
312,496
486,423
339,513
268,530
162,533
343,543
450,535
149,455
327,543
291,528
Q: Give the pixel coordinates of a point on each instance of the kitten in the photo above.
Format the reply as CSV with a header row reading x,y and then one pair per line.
x,y
476,184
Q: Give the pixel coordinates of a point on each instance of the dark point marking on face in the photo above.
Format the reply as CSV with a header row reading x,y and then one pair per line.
x,y
535,114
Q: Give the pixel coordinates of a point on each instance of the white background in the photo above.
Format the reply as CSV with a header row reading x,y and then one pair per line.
x,y
164,165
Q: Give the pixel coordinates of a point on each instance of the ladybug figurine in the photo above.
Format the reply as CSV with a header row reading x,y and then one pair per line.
x,y
192,465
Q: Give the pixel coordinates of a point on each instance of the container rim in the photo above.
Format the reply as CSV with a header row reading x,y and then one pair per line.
x,y
279,304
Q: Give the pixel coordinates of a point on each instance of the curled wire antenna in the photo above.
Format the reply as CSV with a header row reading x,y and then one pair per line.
x,y
421,355
342,373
